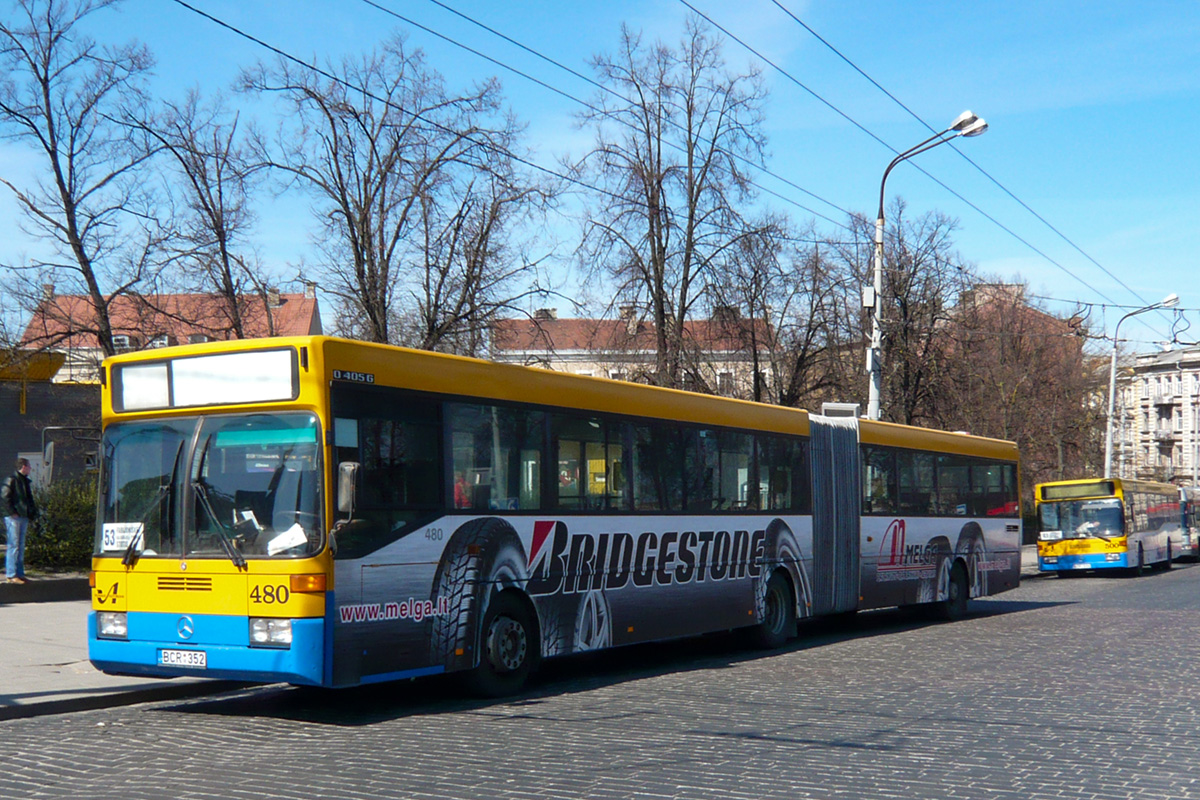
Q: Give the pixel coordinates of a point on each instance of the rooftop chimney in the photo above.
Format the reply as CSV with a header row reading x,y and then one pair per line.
x,y
310,290
545,313
273,299
629,316
47,291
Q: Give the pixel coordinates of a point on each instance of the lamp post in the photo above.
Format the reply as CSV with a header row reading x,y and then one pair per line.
x,y
966,124
1167,302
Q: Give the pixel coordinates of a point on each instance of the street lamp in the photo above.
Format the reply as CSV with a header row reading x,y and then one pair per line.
x,y
1169,301
966,124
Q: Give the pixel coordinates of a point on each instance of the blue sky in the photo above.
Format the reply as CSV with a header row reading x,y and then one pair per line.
x,y
1090,106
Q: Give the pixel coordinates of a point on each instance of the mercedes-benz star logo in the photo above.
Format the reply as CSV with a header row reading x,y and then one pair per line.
x,y
185,627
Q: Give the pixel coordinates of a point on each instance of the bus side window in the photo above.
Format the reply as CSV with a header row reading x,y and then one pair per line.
x,y
657,467
917,488
701,462
879,481
497,457
953,486
588,452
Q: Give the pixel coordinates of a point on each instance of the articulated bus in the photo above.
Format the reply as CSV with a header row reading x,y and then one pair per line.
x,y
327,512
1107,523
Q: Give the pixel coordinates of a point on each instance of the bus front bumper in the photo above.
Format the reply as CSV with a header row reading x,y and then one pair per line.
x,y
1082,562
207,646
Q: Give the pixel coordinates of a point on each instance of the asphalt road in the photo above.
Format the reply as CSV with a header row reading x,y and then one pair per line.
x,y
1080,688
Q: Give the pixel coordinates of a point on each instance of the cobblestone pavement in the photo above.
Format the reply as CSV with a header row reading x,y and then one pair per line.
x,y
1078,688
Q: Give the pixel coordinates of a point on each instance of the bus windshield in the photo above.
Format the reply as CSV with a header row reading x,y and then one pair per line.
x,y
1081,519
232,486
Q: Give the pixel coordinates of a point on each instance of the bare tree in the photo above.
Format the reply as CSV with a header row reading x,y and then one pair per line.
x,y
798,318
380,144
471,271
1013,371
214,177
63,96
667,162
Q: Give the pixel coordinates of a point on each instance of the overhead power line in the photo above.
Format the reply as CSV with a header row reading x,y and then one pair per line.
x,y
871,134
607,89
963,155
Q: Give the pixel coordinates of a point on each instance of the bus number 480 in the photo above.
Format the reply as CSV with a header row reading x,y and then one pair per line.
x,y
270,594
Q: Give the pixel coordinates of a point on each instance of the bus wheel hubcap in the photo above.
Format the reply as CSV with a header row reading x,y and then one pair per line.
x,y
506,644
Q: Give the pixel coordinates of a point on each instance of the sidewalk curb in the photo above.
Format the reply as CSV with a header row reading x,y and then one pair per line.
x,y
48,589
93,702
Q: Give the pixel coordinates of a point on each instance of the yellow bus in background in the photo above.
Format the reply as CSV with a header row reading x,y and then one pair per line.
x,y
1108,523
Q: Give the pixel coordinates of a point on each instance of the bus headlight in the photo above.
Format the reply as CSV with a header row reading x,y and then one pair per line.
x,y
266,632
112,625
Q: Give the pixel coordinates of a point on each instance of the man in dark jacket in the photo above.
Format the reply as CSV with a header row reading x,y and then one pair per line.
x,y
16,500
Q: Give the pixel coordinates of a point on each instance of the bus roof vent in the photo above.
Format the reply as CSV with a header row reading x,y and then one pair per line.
x,y
840,409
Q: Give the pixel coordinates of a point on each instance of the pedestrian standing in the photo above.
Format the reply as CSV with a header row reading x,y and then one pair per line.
x,y
16,499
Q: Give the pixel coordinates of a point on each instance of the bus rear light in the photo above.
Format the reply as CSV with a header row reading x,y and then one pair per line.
x,y
266,632
308,583
112,625
91,580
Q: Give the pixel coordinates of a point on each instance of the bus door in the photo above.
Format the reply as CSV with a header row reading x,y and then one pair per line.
x,y
836,507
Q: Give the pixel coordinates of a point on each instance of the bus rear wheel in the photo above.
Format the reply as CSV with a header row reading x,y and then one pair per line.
x,y
958,592
508,648
778,622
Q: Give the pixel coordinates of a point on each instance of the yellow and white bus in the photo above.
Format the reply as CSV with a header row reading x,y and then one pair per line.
x,y
329,512
1108,523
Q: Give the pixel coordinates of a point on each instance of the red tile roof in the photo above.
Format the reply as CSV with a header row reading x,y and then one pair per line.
x,y
67,321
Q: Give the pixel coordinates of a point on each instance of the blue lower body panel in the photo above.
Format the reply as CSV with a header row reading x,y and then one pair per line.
x,y
1089,561
224,641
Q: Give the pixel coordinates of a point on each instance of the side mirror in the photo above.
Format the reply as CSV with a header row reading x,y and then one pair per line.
x,y
347,486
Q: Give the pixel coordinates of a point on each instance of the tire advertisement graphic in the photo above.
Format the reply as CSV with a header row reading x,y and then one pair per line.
x,y
483,557
463,588
973,549
934,578
576,623
781,549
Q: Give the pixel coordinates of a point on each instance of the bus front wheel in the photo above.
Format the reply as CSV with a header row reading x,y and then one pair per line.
x,y
1139,569
508,648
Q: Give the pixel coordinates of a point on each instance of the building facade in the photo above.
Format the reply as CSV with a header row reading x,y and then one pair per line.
x,y
720,350
1156,418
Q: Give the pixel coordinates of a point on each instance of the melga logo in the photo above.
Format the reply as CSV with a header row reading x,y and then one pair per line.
x,y
896,553
563,562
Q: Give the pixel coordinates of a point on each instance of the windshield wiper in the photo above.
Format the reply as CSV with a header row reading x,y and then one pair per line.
x,y
234,554
131,553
